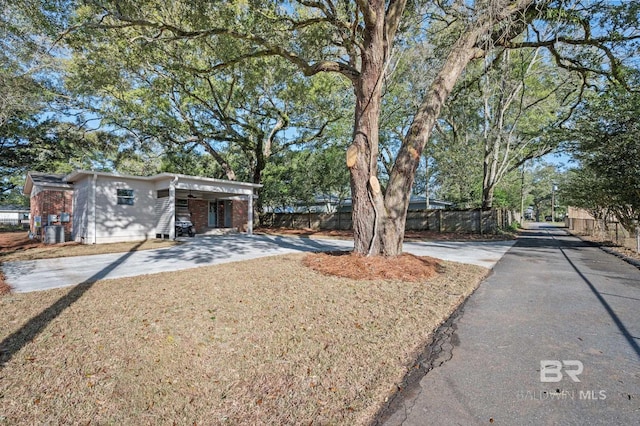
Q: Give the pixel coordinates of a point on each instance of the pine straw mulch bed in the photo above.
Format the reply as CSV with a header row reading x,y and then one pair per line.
x,y
266,341
406,267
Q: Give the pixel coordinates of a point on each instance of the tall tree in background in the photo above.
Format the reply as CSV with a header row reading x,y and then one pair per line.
x,y
181,98
541,178
457,151
306,178
605,141
356,39
523,100
39,125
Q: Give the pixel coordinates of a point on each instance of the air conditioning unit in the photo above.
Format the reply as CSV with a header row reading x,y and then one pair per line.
x,y
54,234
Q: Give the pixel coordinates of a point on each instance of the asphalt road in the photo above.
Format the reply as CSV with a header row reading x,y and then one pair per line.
x,y
34,275
552,301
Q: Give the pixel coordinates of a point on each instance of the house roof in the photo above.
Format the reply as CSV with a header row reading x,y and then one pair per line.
x,y
80,174
56,178
52,180
62,181
11,208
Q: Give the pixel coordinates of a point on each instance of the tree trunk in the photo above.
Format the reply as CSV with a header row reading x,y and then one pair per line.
x,y
379,221
226,167
398,193
490,171
487,197
362,155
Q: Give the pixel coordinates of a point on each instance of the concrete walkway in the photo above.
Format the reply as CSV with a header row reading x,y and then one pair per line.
x,y
554,308
45,274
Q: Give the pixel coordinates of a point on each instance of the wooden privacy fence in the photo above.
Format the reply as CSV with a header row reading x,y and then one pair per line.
x,y
603,231
463,221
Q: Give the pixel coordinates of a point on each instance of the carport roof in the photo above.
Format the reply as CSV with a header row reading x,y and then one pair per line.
x,y
80,174
66,181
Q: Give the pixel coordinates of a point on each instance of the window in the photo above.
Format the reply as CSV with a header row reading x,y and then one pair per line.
x,y
125,197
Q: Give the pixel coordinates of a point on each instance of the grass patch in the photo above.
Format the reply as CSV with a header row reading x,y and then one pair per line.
x,y
17,246
266,341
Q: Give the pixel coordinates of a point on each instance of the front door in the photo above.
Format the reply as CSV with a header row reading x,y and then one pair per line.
x,y
227,214
212,214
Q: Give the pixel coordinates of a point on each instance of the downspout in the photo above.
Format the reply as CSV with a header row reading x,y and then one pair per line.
x,y
172,208
94,181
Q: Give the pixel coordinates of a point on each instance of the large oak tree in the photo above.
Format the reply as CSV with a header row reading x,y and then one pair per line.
x,y
356,39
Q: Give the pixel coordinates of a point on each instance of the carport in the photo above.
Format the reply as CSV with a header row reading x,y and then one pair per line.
x,y
210,204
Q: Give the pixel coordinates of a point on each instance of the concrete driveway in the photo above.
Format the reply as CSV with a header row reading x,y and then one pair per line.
x,y
46,274
553,302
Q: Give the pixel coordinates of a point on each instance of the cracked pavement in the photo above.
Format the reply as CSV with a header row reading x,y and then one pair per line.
x,y
551,298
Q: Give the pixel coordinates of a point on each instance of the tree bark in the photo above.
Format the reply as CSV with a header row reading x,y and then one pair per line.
x,y
487,197
490,171
397,196
367,202
403,174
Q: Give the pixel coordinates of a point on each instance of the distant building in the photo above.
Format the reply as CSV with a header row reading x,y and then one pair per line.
x,y
14,215
332,204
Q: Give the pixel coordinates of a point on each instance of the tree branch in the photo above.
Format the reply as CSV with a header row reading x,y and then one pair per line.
x,y
273,49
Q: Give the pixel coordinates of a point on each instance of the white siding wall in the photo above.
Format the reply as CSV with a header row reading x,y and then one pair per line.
x,y
10,215
81,213
116,222
163,216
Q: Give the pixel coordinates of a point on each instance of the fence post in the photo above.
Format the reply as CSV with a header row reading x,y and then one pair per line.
x,y
440,224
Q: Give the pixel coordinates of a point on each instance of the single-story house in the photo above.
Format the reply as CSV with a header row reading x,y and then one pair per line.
x,y
13,215
99,207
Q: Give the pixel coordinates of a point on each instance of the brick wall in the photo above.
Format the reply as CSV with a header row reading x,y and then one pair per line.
x,y
55,202
199,210
239,215
199,214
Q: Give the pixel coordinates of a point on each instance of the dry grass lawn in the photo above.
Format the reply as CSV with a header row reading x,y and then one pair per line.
x,y
267,341
17,246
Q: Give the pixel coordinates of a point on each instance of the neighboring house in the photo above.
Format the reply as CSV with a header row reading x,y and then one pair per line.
x,y
320,204
416,203
332,204
14,215
98,207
